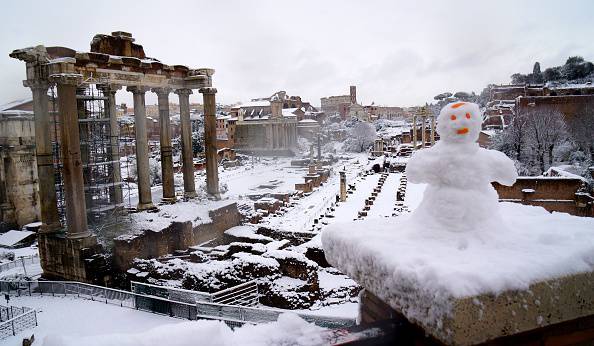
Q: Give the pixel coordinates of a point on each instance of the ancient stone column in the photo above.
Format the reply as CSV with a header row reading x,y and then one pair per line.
x,y
210,140
343,192
72,171
432,130
114,140
145,199
319,148
423,131
165,139
414,124
50,220
186,137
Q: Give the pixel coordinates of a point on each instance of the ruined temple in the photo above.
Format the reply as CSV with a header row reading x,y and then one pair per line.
x,y
77,139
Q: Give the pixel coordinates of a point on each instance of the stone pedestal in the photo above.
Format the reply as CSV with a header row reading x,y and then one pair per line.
x,y
472,288
343,189
63,258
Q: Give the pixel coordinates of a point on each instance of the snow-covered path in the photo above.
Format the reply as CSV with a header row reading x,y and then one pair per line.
x,y
66,316
384,203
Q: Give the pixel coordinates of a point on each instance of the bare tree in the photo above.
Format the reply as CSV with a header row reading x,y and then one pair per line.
x,y
546,130
581,126
361,136
512,140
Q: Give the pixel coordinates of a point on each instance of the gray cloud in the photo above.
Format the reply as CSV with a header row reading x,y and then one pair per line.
x,y
397,52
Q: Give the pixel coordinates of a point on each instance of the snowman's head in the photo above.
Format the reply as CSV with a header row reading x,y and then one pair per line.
x,y
459,122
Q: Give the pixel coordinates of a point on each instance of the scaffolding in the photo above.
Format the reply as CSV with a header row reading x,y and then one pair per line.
x,y
106,213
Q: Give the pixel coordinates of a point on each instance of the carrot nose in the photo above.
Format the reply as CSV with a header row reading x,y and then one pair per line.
x,y
462,131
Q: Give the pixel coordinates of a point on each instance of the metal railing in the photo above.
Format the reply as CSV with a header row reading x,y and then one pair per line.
x,y
245,294
15,319
233,315
19,262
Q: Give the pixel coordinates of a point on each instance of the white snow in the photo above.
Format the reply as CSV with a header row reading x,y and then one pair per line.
x,y
419,264
459,195
65,321
247,231
10,238
416,263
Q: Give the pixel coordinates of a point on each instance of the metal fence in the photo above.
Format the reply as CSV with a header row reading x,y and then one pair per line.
x,y
233,315
171,293
19,262
245,294
15,319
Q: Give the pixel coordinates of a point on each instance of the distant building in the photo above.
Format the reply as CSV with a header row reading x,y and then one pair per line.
x,y
18,168
506,101
339,104
267,126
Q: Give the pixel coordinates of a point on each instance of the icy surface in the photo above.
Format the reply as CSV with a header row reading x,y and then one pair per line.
x,y
459,195
422,269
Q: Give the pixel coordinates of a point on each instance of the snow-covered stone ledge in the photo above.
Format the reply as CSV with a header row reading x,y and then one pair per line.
x,y
464,267
468,289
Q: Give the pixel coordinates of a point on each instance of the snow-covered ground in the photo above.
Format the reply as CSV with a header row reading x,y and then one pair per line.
x,y
64,321
73,317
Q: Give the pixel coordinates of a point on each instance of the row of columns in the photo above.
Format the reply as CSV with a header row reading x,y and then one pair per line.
x,y
423,130
72,172
281,135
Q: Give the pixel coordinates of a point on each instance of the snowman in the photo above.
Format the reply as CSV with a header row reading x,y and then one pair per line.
x,y
458,173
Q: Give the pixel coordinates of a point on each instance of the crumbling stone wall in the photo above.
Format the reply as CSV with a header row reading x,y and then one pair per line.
x,y
559,194
177,236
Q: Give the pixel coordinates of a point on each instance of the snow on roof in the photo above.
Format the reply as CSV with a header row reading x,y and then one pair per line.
x,y
289,112
15,103
13,237
489,133
254,103
16,113
562,171
308,121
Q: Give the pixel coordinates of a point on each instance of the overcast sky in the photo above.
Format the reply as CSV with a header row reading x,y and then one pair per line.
x,y
398,53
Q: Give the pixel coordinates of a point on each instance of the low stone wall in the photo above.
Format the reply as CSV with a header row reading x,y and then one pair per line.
x,y
178,236
560,194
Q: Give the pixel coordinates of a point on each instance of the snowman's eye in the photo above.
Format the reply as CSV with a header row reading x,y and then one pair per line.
x,y
467,115
453,117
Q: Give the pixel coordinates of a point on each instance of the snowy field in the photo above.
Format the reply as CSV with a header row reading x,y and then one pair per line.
x,y
65,321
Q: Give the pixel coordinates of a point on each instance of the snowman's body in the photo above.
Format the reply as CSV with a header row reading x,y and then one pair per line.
x,y
458,173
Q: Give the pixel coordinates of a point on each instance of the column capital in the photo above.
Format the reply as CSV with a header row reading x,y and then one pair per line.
x,y
37,84
137,89
208,91
109,88
162,91
183,92
66,78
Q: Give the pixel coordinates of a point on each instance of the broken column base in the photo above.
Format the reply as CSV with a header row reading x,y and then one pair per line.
x,y
65,258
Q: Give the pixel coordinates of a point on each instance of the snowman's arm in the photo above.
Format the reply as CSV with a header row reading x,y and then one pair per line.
x,y
502,168
421,167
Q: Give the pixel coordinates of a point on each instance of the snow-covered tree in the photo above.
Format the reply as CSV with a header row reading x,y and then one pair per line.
x,y
360,137
547,130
